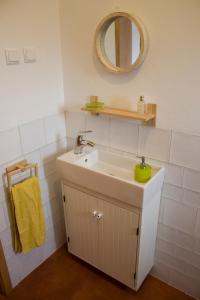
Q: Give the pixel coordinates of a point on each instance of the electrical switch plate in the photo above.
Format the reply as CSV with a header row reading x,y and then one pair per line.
x,y
29,55
12,56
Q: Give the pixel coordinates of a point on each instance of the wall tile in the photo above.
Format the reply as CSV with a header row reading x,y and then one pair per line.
x,y
180,216
161,210
41,173
184,240
46,211
100,125
154,143
3,224
8,251
197,230
191,180
70,144
173,174
49,220
185,150
165,246
50,246
44,190
76,122
14,267
170,260
61,147
192,271
172,192
188,256
2,194
184,283
32,136
34,157
51,186
124,135
56,205
1,175
161,271
165,232
60,234
191,198
175,236
49,168
6,237
51,151
10,145
197,246
7,212
29,261
48,153
55,128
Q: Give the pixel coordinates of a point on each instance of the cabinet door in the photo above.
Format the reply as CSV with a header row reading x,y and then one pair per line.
x,y
82,225
118,242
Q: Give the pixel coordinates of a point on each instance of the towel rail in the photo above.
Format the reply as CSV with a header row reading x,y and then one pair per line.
x,y
19,168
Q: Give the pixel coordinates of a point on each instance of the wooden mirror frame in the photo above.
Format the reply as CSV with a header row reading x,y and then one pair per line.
x,y
100,37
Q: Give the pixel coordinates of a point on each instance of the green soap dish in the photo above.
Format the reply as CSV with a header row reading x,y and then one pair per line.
x,y
94,105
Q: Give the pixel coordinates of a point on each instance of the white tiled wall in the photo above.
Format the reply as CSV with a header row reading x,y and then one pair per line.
x,y
177,259
10,145
120,129
40,141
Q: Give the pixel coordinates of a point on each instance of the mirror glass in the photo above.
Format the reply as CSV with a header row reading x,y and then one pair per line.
x,y
122,42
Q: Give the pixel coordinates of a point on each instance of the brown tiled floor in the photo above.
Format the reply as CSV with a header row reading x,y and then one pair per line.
x,y
63,277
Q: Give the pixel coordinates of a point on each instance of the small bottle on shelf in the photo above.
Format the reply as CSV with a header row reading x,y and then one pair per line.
x,y
141,105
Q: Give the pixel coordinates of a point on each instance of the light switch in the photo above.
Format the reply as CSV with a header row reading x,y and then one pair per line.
x,y
29,55
12,56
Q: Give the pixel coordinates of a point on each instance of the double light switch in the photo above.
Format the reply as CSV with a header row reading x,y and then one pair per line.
x,y
13,56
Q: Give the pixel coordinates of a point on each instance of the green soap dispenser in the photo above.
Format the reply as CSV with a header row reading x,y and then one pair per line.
x,y
142,171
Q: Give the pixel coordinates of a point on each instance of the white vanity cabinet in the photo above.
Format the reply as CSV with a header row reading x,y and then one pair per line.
x,y
111,220
107,235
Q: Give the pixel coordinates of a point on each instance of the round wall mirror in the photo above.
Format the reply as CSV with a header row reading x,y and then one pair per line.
x,y
121,42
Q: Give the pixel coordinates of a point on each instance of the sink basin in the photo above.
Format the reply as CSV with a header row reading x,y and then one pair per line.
x,y
109,174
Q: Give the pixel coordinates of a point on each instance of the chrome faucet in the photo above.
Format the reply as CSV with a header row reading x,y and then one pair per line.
x,y
82,142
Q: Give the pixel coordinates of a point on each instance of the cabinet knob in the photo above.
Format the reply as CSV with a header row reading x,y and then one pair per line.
x,y
99,216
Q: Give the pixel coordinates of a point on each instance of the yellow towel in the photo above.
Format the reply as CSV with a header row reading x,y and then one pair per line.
x,y
29,224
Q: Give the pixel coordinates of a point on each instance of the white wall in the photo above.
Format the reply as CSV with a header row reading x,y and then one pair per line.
x,y
32,90
170,74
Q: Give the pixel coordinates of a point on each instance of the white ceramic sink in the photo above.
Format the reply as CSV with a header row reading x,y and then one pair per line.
x,y
109,174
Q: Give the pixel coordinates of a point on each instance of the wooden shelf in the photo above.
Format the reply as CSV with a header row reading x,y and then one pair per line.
x,y
149,118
